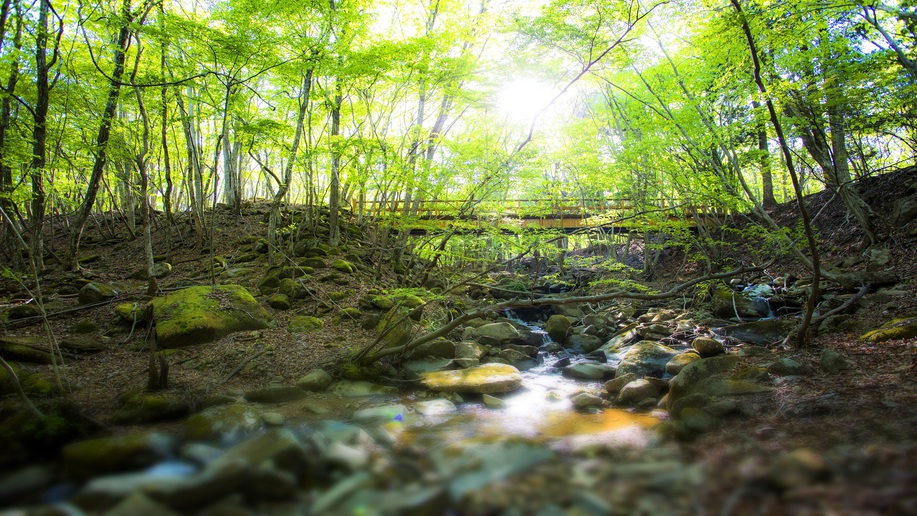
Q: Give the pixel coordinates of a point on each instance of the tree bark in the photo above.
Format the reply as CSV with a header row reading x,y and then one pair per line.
x,y
102,137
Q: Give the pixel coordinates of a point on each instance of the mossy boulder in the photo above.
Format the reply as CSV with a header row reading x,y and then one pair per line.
x,y
342,266
197,315
128,312
225,422
94,457
25,349
279,302
483,379
95,292
141,408
728,303
350,314
83,327
23,311
557,327
900,328
395,326
305,323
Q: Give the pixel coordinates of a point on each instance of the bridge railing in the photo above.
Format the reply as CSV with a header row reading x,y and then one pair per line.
x,y
517,208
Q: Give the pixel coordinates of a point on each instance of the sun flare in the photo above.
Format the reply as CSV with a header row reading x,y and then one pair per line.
x,y
523,98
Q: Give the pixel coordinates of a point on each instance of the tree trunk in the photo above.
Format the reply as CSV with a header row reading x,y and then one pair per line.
x,y
40,135
10,241
102,137
334,196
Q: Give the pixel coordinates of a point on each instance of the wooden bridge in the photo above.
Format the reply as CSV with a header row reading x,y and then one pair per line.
x,y
568,215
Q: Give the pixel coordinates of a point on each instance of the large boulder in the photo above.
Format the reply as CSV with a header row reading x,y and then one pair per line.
x,y
557,327
904,211
762,333
704,381
498,333
104,455
646,358
483,379
96,293
900,328
197,315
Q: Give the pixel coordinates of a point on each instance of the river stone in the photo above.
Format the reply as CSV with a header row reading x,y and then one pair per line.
x,y
798,469
273,418
699,420
435,407
492,402
197,315
638,390
787,366
583,343
900,328
687,381
761,333
728,304
834,361
279,302
557,327
395,412
624,337
708,347
95,292
517,359
275,394
530,351
500,332
101,493
613,387
570,310
83,344
23,311
276,448
678,362
359,389
585,400
141,408
483,379
139,504
437,348
315,381
414,369
589,371
222,421
104,455
646,358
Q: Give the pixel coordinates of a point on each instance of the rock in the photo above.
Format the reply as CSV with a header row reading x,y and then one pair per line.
x,y
646,358
637,391
305,324
483,379
139,504
570,310
678,362
23,311
626,336
160,270
729,304
129,313
798,469
104,455
25,481
517,359
382,413
690,379
613,387
529,351
435,407
762,333
314,381
499,333
276,448
708,347
395,327
589,371
225,422
471,466
197,315
904,211
414,369
25,349
583,343
698,420
438,348
557,327
84,345
585,400
834,362
94,292
275,394
358,389
142,408
273,418
900,328
492,402
789,367
342,266
279,302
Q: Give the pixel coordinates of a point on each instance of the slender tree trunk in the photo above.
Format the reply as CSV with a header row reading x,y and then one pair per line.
x,y
40,135
334,196
767,177
102,137
11,243
802,332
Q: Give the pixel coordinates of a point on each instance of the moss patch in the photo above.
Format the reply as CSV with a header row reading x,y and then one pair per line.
x,y
901,328
197,315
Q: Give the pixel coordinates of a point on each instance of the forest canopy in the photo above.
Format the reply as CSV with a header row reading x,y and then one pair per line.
x,y
378,107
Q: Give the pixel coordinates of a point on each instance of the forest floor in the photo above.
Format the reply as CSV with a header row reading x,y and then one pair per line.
x,y
860,423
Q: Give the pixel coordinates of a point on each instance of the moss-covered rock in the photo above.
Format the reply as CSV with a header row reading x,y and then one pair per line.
x,y
141,408
224,422
900,328
128,312
83,327
23,311
198,315
395,327
305,323
96,293
557,327
25,349
350,314
279,301
484,379
342,266
27,437
94,457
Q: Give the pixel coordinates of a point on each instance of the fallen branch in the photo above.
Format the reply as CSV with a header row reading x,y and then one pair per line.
x,y
367,358
240,366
